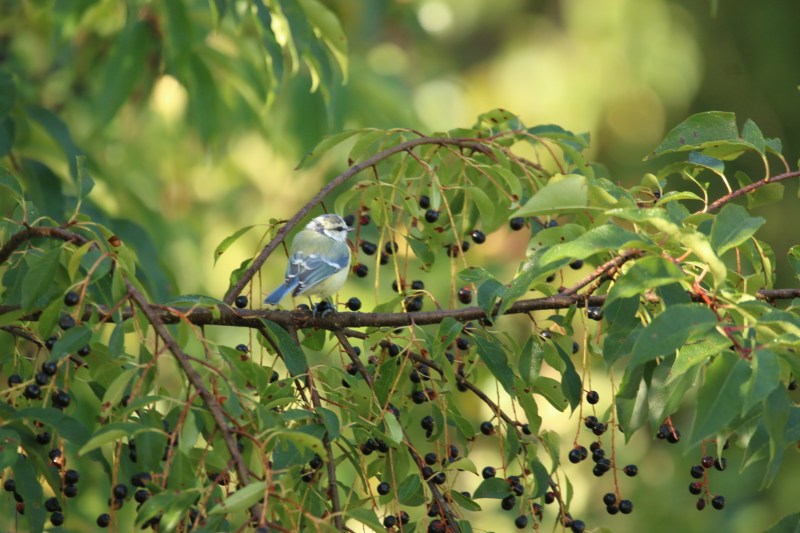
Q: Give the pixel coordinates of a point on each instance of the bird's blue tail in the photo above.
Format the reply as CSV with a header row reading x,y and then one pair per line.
x,y
279,293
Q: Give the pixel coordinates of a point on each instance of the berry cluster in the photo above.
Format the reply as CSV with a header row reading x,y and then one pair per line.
x,y
699,487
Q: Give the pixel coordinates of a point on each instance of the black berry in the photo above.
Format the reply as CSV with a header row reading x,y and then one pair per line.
x,y
431,458
50,342
240,301
631,470
14,379
57,518
32,391
424,201
695,487
592,397
66,322
707,461
61,399
488,472
120,491
625,506
84,350
71,477
51,505
508,502
431,216
521,522
465,295
594,313
354,304
10,485
50,368
609,498
70,491
478,237
487,428
71,298
701,504
517,223
696,471
141,479
41,378
577,264
720,464
360,270
103,520
390,247
369,248
718,502
427,422
384,488
578,526
389,521
141,496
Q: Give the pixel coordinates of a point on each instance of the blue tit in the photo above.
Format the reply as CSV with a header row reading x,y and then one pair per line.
x,y
319,260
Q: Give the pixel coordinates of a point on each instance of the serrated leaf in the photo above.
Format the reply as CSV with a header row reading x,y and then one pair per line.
x,y
562,194
732,226
494,357
719,399
670,330
39,279
293,356
229,240
241,499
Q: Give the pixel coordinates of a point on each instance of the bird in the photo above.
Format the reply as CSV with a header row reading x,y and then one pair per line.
x,y
319,260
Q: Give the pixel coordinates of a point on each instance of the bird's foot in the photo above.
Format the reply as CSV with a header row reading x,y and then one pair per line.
x,y
323,309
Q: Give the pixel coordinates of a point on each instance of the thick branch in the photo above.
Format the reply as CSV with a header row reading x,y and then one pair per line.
x,y
27,234
234,291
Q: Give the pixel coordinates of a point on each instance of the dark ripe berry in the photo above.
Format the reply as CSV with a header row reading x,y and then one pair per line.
x,y
578,526
274,377
404,518
41,378
598,470
18,497
575,456
363,220
551,278
674,436
595,446
120,491
526,429
590,422
103,520
240,301
360,270
398,287
417,285
518,489
424,201
54,454
440,478
701,504
384,258
707,461
71,477
464,246
61,399
546,334
431,216
488,472
50,342
521,522
372,444
465,295
354,304
452,452
592,397
575,347
390,247
315,462
389,521
50,368
242,348
720,464
141,496
609,498
462,343
393,349
141,479
418,397
351,369
413,305
695,487
66,322
549,497
516,223
57,518
70,491
84,350
577,264
427,472
598,454
718,502
384,488
14,379
696,471
10,485
427,422
599,429
350,220
369,248
51,505
43,437
612,509
792,385
625,506
431,458
32,391
478,237
436,526
71,298
508,502
487,428
631,470
594,313
366,450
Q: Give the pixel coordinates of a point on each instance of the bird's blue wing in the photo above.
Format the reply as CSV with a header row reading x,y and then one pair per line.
x,y
311,269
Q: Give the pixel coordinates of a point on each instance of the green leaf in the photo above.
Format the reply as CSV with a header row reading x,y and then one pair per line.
x,y
230,239
8,94
752,134
562,194
331,421
71,341
776,408
70,428
787,524
670,330
732,226
409,491
241,499
422,250
719,399
9,442
40,276
647,273
551,390
570,380
494,357
366,517
488,293
765,379
110,433
29,487
607,237
325,145
393,429
793,256
462,501
696,352
293,356
494,487
699,131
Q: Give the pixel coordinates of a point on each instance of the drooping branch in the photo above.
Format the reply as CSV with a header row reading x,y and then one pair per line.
x,y
233,292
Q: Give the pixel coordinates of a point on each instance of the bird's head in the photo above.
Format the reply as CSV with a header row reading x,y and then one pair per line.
x,y
330,225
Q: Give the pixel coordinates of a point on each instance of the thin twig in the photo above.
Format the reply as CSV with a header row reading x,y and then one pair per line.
x,y
749,188
27,234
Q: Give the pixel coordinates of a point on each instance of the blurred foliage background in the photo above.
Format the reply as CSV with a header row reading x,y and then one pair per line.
x,y
185,155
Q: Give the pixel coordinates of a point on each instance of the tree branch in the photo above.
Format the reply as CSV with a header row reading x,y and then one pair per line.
x,y
27,234
749,188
